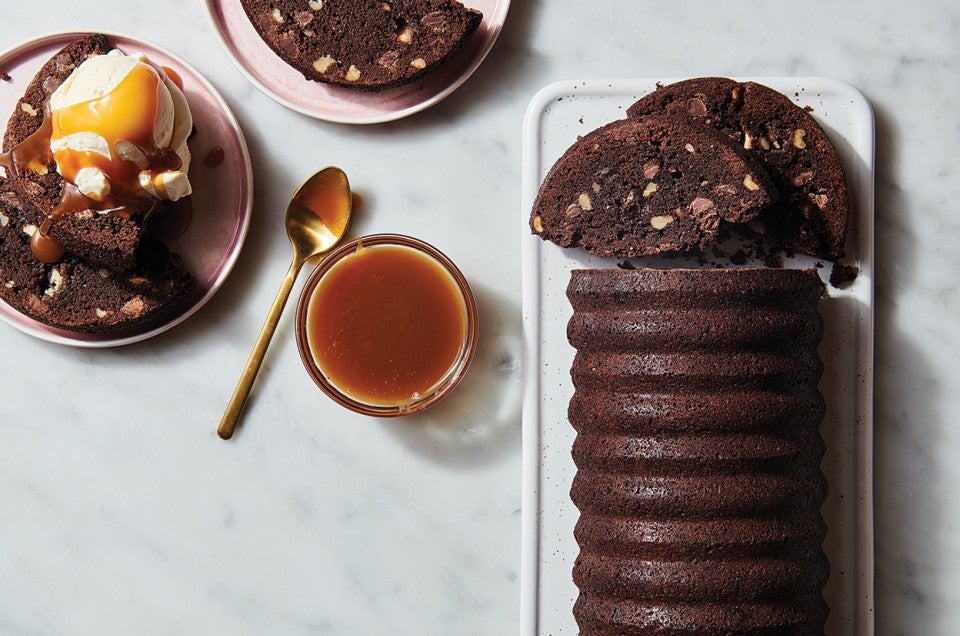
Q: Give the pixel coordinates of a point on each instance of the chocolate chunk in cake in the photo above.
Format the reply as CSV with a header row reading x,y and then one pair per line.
x,y
365,44
698,451
811,216
648,185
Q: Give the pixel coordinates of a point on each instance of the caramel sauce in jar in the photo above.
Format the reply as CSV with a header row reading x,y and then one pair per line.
x,y
388,325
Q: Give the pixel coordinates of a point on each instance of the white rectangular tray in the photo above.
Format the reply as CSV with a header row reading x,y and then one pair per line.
x,y
556,116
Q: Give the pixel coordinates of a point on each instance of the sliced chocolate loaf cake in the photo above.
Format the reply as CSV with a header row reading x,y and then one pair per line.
x,y
648,185
102,239
76,295
365,44
113,276
106,240
811,216
697,452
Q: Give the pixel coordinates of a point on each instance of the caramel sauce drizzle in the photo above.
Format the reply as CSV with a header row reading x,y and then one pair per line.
x,y
126,114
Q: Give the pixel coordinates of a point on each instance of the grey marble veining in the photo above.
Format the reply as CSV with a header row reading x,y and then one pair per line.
x,y
121,512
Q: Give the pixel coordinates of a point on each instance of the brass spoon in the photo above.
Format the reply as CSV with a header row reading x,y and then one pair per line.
x,y
317,218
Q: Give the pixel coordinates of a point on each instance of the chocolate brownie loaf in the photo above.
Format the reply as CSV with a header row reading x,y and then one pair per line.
x,y
697,452
76,295
648,185
811,217
106,240
365,44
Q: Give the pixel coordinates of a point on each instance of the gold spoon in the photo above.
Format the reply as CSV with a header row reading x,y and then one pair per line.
x,y
317,219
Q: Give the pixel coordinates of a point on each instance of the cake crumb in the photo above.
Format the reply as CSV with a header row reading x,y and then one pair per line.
x,y
842,275
5,76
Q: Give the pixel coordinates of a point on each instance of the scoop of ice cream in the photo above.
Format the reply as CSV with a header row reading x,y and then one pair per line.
x,y
120,127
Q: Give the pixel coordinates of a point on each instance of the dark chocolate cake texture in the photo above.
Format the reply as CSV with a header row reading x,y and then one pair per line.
x,y
107,240
366,44
648,185
697,452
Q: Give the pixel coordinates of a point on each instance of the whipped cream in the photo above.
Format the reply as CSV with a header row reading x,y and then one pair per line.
x,y
118,121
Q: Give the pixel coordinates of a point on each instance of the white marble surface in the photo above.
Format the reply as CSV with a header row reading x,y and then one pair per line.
x,y
121,512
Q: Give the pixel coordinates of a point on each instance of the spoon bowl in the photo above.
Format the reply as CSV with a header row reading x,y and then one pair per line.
x,y
319,212
317,218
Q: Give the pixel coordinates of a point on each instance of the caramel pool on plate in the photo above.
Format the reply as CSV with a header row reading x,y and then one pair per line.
x,y
387,324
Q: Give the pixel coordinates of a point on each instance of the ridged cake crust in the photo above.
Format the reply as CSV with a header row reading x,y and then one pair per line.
x,y
698,452
43,191
602,410
667,538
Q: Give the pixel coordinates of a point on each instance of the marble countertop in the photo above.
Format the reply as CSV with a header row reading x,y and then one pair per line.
x,y
121,512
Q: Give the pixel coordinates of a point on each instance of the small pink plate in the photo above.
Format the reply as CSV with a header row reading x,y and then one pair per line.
x,y
222,195
280,81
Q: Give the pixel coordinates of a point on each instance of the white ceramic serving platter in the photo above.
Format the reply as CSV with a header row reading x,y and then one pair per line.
x,y
555,117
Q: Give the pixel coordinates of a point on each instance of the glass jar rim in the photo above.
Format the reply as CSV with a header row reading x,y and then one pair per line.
x,y
445,385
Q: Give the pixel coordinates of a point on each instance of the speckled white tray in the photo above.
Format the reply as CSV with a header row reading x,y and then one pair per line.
x,y
555,117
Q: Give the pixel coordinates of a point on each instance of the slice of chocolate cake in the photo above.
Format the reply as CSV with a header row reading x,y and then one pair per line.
x,y
107,240
103,239
365,44
697,452
648,185
811,217
76,295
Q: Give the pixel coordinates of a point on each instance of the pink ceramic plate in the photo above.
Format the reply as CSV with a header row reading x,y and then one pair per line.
x,y
286,85
222,195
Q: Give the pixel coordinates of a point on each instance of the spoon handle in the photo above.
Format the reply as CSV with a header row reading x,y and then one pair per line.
x,y
232,415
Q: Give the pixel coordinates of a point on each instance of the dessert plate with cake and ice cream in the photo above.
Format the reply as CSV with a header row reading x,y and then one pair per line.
x,y
358,61
125,194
